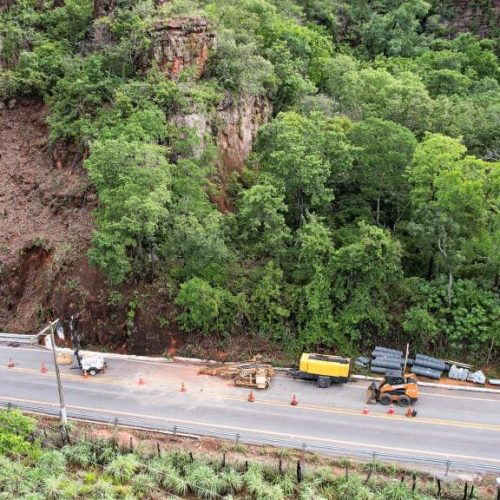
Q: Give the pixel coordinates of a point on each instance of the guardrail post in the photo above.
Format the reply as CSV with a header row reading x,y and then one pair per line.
x,y
447,467
299,472
237,439
175,430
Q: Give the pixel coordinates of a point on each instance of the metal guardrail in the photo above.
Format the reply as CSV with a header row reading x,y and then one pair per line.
x,y
446,465
19,338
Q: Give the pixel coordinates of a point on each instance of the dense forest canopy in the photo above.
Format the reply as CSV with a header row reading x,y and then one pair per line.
x,y
368,210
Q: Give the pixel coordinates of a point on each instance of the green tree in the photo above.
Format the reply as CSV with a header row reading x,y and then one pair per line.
x,y
313,275
207,308
261,222
385,150
365,273
304,157
453,206
267,303
133,180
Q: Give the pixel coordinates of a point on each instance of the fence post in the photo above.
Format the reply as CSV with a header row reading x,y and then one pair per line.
x,y
466,487
158,448
223,459
299,472
471,494
447,466
280,467
237,439
414,483
131,444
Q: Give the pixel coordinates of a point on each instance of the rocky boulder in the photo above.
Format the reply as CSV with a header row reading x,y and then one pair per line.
x,y
182,42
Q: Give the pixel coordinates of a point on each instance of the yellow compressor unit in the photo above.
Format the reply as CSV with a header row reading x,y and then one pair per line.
x,y
323,369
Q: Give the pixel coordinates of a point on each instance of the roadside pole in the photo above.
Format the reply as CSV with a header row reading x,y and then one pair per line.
x,y
406,357
64,418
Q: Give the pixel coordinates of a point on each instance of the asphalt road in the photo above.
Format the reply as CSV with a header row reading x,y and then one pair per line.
x,y
456,425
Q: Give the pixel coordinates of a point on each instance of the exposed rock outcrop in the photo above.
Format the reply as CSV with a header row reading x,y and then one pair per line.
x,y
182,42
240,118
233,124
103,7
6,4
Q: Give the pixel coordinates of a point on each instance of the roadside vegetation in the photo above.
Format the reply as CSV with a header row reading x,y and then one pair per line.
x,y
35,464
369,209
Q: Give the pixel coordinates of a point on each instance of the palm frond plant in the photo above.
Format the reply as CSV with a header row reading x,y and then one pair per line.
x,y
232,481
79,454
204,481
53,462
123,467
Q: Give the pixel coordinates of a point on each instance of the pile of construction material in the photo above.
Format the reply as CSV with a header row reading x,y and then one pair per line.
x,y
253,373
384,359
427,366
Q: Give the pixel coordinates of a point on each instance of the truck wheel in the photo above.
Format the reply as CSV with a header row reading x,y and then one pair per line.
x,y
93,371
323,382
404,401
385,399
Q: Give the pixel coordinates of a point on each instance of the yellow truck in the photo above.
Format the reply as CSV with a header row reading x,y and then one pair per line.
x,y
323,369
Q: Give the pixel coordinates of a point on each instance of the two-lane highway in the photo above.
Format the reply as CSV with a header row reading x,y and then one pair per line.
x,y
455,425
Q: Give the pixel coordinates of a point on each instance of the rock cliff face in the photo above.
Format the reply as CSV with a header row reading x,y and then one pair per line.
x,y
480,18
104,7
233,125
240,118
182,42
185,42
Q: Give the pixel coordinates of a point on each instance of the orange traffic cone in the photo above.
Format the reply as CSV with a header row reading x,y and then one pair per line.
x,y
85,374
294,401
391,410
140,381
251,397
43,368
10,364
365,410
183,387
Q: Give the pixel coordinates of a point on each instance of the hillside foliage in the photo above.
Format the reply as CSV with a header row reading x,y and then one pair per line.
x,y
369,208
36,465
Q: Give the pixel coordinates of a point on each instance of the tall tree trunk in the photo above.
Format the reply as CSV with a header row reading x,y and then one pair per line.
x,y
430,268
490,351
450,288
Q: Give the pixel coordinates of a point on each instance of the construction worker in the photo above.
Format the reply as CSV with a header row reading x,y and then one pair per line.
x,y
410,412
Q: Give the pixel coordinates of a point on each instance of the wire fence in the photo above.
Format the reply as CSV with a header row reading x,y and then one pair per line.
x,y
443,467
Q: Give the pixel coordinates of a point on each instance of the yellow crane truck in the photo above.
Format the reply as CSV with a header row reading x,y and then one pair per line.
x,y
323,369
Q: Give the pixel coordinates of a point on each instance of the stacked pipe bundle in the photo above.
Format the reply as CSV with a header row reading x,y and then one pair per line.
x,y
386,359
428,366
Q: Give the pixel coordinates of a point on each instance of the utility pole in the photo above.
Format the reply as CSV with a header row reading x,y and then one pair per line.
x,y
64,418
406,358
